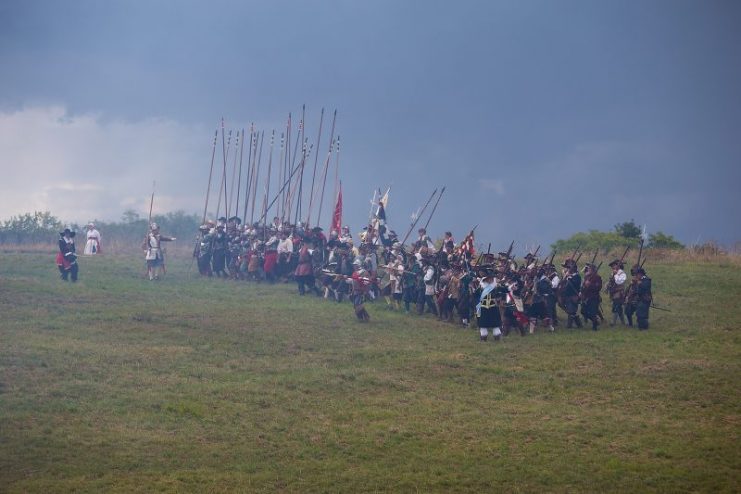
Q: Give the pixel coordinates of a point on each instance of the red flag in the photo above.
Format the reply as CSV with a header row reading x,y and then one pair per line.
x,y
337,217
466,247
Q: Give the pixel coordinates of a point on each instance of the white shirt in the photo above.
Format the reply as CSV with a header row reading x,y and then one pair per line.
x,y
285,246
620,277
555,281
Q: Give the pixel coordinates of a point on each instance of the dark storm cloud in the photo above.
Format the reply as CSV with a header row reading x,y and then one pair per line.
x,y
542,118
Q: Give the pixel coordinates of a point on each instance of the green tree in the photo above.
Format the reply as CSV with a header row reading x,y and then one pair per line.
x,y
660,240
628,229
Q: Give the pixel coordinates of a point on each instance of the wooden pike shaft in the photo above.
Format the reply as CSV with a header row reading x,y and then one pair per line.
x,y
326,168
210,174
434,208
313,174
414,223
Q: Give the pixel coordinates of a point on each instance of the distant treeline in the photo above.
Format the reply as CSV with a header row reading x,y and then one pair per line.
x,y
623,235
43,227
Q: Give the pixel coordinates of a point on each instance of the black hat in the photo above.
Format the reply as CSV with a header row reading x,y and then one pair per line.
x,y
67,231
569,263
236,219
317,229
222,219
616,262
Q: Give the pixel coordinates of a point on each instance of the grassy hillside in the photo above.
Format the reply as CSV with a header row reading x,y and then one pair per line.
x,y
121,385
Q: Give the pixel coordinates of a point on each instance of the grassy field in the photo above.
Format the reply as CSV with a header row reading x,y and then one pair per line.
x,y
117,384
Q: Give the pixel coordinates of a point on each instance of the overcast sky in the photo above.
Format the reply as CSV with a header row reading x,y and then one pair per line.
x,y
542,118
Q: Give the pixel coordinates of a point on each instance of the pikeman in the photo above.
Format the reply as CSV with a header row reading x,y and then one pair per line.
x,y
202,250
589,295
616,290
155,253
568,292
219,246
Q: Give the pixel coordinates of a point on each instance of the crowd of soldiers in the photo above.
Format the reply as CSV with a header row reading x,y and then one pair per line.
x,y
445,280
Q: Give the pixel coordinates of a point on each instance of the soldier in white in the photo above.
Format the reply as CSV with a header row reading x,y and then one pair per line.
x,y
92,245
155,255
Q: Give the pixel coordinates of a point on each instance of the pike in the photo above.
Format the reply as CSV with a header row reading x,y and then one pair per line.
x,y
414,222
285,184
326,167
434,208
267,179
281,172
248,179
313,173
578,257
304,140
239,180
210,173
299,198
151,204
234,176
225,153
257,178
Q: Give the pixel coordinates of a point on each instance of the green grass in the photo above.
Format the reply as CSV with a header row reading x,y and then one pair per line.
x,y
117,384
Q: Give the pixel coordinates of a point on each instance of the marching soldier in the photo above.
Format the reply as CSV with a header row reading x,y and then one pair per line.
x,y
643,297
589,295
488,315
568,292
218,250
202,251
616,290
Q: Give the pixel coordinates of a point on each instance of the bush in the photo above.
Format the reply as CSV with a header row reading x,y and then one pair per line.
x,y
593,240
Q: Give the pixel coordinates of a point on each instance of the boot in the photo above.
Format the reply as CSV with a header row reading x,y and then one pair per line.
x,y
577,320
595,325
570,322
614,319
483,338
498,337
622,318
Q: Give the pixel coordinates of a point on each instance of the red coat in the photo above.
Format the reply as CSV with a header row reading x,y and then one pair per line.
x,y
271,258
304,267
